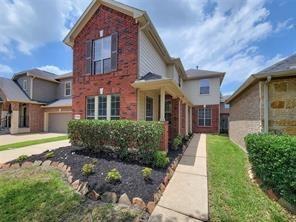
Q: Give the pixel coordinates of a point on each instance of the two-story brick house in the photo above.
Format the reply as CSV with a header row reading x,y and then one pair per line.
x,y
35,101
122,70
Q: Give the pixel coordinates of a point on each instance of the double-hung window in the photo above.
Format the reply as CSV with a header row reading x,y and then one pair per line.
x,y
68,88
205,117
101,55
149,109
25,85
90,107
115,107
102,109
204,87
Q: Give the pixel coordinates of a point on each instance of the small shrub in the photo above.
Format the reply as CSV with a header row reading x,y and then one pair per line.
x,y
49,155
113,176
160,159
177,142
273,159
87,169
22,158
146,172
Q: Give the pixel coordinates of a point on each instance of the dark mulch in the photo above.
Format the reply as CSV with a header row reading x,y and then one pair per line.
x,y
132,182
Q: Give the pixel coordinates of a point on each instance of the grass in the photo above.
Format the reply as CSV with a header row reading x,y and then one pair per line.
x,y
31,142
232,196
35,194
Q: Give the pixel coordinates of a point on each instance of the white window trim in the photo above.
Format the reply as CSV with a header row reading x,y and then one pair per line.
x,y
204,117
25,88
65,88
150,97
97,106
102,60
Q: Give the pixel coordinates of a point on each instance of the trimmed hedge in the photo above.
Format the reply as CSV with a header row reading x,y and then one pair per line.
x,y
125,136
273,159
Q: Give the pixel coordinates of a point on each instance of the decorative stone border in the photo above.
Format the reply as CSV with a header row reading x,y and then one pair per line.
x,y
108,197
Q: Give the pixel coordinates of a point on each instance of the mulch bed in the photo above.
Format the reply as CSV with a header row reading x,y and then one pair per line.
x,y
132,182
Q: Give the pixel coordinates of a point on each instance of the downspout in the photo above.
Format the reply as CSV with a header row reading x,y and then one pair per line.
x,y
266,104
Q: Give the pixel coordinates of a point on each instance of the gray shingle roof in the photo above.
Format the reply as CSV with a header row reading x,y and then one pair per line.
x,y
39,74
284,65
12,91
64,76
60,103
150,76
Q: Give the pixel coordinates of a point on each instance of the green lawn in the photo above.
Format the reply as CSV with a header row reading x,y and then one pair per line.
x,y
32,142
35,194
232,196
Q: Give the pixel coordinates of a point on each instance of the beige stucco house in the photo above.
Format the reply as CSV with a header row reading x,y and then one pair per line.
x,y
266,102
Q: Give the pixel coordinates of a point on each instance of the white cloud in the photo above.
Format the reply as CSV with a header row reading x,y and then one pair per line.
x,y
54,69
5,70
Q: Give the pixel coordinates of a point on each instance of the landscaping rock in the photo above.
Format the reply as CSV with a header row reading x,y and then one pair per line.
x,y
76,184
93,195
84,189
27,164
150,207
258,181
162,188
109,197
271,194
15,166
46,163
139,203
70,179
166,180
61,165
54,164
124,200
5,166
37,163
64,169
287,205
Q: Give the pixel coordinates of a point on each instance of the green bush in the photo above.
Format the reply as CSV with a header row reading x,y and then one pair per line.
x,y
87,169
49,155
128,138
160,159
146,172
273,159
113,176
22,158
177,142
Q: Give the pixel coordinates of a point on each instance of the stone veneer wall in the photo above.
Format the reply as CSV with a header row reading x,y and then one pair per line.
x,y
246,114
117,82
282,105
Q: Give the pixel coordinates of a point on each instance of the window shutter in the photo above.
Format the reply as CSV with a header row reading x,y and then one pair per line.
x,y
114,51
88,56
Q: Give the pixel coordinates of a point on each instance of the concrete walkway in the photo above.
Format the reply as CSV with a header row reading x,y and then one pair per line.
x,y
8,139
9,155
186,196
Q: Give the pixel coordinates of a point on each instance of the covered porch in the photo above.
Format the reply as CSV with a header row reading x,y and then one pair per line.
x,y
163,100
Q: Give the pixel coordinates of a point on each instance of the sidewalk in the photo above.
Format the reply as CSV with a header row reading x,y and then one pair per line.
x,y
9,155
186,196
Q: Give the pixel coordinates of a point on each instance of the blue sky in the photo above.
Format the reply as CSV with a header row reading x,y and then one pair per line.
x,y
238,37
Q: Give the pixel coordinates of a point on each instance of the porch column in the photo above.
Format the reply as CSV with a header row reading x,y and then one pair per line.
x,y
14,118
190,119
186,119
162,104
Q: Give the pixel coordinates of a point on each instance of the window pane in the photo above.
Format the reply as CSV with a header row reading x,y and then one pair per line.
x,y
149,109
98,67
204,85
107,65
208,122
200,113
201,122
205,90
106,49
115,107
90,107
98,49
208,113
102,109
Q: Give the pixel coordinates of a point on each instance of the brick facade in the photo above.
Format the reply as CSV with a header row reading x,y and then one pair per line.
x,y
175,118
183,119
214,128
117,82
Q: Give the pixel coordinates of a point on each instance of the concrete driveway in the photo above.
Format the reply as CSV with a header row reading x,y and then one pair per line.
x,y
8,139
9,155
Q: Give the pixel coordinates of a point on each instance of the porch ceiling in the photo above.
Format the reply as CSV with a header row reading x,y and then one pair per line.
x,y
168,85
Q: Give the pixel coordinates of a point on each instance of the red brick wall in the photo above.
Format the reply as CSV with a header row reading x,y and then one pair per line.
x,y
175,118
36,118
215,120
164,143
115,82
183,119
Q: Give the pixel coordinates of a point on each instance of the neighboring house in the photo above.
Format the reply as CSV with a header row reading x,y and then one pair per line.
x,y
266,102
35,101
224,115
122,70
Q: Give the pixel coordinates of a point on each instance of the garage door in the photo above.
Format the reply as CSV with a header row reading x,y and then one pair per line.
x,y
58,122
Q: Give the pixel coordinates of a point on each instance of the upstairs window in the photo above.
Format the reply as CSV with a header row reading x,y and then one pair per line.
x,y
25,85
149,109
102,114
68,88
204,87
101,55
204,117
90,107
115,107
